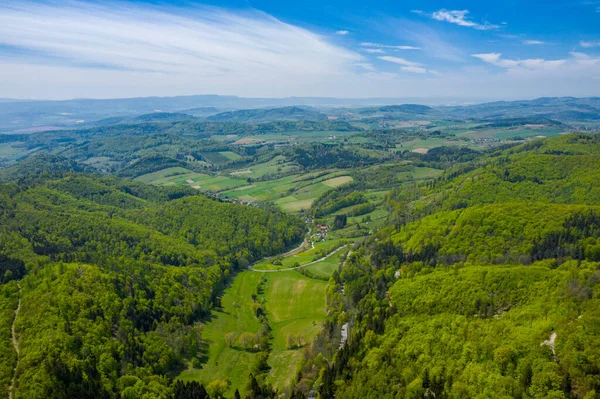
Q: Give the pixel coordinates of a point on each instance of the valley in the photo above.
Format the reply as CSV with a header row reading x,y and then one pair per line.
x,y
285,258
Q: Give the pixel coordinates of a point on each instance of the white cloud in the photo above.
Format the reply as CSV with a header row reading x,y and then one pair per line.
x,y
378,45
533,42
584,60
408,66
589,44
433,44
532,63
457,17
373,51
67,49
400,61
365,65
210,48
342,32
414,69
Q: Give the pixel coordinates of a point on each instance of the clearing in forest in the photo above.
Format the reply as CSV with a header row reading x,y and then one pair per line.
x,y
337,181
295,306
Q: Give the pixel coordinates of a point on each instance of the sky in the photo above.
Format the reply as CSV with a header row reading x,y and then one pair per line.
x,y
458,50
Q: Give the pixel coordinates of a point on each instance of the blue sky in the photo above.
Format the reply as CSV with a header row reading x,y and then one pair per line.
x,y
458,50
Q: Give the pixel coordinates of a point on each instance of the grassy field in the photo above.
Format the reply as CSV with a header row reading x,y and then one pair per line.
x,y
337,181
427,144
236,316
231,156
420,173
182,176
278,164
325,268
295,306
295,136
508,133
216,157
301,258
290,193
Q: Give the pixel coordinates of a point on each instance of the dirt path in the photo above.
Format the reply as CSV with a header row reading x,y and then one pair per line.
x,y
298,267
15,343
550,342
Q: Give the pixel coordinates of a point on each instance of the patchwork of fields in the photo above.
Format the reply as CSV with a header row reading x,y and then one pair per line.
x,y
182,176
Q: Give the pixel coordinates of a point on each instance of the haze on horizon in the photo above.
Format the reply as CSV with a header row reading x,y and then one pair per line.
x,y
458,50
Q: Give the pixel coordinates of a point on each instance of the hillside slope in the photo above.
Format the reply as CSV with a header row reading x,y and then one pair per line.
x,y
114,277
486,285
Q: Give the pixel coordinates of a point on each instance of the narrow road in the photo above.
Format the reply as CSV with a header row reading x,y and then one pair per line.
x,y
298,267
346,326
15,343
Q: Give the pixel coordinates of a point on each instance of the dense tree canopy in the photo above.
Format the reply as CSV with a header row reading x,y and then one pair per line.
x,y
114,277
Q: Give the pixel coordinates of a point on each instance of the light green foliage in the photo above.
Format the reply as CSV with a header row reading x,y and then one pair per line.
x,y
9,296
119,274
485,284
489,233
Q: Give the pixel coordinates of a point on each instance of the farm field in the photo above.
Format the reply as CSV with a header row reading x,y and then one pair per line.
x,y
220,158
508,133
301,258
289,193
182,176
337,181
415,145
230,155
326,267
293,136
420,173
278,164
237,316
295,306
320,136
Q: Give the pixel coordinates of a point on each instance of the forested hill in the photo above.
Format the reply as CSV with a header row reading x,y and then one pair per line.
x,y
486,284
113,277
559,170
269,115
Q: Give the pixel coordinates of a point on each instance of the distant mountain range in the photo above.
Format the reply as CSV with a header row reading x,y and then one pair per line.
x,y
269,114
29,116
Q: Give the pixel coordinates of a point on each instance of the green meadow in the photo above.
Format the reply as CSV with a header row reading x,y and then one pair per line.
x,y
182,176
302,258
290,193
295,307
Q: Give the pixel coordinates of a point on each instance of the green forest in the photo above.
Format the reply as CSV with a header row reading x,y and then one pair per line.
x,y
113,279
189,259
485,284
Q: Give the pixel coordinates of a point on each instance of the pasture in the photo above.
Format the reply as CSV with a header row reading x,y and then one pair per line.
x,y
295,306
183,176
235,316
291,193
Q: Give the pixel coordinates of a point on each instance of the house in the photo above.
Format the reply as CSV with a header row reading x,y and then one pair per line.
x,y
323,227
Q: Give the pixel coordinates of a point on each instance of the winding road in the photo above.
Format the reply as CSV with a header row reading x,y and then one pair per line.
x,y
298,267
